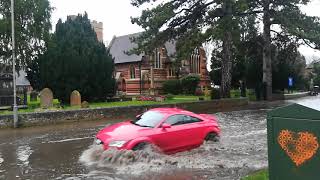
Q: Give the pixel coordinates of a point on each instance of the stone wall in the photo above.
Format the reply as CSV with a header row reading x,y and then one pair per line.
x,y
45,118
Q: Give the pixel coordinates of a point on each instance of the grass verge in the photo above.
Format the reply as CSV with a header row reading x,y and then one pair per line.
x,y
260,175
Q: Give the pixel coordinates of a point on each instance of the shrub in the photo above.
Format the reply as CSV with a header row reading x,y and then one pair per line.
x,y
215,93
172,87
190,83
169,96
199,92
235,93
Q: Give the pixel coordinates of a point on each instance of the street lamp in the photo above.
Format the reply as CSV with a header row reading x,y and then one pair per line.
x,y
15,107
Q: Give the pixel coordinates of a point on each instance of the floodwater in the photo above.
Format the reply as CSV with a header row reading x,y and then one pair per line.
x,y
66,152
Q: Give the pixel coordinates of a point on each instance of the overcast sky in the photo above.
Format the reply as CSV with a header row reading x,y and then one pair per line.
x,y
115,15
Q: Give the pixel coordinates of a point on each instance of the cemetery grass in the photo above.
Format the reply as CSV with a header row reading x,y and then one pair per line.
x,y
260,175
33,106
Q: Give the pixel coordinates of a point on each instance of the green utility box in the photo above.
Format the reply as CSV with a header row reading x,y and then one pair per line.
x,y
294,143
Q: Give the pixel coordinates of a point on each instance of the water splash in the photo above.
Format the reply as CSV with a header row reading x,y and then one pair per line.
x,y
242,149
1,159
23,154
124,161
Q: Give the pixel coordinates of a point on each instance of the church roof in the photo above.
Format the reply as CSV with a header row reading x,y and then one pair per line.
x,y
119,47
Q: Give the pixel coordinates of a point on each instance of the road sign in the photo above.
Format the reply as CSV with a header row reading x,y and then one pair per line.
x,y
290,81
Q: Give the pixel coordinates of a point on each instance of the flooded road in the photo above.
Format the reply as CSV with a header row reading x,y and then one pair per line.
x,y
66,152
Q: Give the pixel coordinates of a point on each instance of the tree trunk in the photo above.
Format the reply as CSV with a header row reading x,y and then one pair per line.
x,y
267,67
226,64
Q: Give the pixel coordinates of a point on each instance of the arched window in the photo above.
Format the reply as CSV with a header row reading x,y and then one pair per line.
x,y
132,72
157,59
195,62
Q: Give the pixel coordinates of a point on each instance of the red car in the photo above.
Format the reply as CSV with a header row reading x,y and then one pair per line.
x,y
170,129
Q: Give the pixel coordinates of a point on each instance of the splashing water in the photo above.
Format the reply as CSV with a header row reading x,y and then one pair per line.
x,y
1,159
138,162
242,148
23,154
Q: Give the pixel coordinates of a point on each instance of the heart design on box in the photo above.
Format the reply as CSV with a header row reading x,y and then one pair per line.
x,y
300,146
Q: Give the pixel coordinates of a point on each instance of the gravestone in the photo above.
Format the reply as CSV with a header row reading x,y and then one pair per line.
x,y
46,98
84,104
75,98
6,89
33,96
207,92
160,99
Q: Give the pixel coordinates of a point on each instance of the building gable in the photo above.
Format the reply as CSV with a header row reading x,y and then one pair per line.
x,y
120,46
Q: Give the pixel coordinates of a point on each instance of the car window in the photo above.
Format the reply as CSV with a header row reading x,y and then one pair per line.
x,y
181,119
148,119
190,119
175,120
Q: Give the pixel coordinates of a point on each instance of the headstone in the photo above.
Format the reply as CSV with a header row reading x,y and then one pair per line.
x,y
75,98
84,104
46,98
160,99
33,96
207,92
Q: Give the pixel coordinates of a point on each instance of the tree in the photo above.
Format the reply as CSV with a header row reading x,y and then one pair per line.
x,y
293,23
32,25
192,23
247,58
74,60
316,71
287,62
248,54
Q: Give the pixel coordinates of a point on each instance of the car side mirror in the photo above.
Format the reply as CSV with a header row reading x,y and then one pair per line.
x,y
166,126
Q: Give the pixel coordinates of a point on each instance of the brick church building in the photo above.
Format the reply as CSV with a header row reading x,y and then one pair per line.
x,y
133,73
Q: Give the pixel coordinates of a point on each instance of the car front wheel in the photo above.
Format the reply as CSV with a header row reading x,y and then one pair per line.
x,y
212,137
140,146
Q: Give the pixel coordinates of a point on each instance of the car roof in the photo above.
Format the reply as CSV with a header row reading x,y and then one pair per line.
x,y
170,111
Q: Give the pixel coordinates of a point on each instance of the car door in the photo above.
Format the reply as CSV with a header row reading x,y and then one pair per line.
x,y
185,132
170,139
193,131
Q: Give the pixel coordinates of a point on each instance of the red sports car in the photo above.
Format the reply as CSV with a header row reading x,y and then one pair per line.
x,y
170,129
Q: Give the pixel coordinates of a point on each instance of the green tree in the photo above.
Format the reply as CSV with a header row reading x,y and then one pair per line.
x,y
32,26
287,62
74,60
293,23
192,23
316,71
246,53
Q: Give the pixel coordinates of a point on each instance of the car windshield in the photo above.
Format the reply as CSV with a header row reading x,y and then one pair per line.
x,y
148,119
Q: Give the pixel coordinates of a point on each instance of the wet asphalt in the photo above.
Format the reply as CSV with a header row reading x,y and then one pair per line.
x,y
66,152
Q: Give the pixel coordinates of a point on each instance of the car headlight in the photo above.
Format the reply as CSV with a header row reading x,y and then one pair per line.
x,y
98,141
118,144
